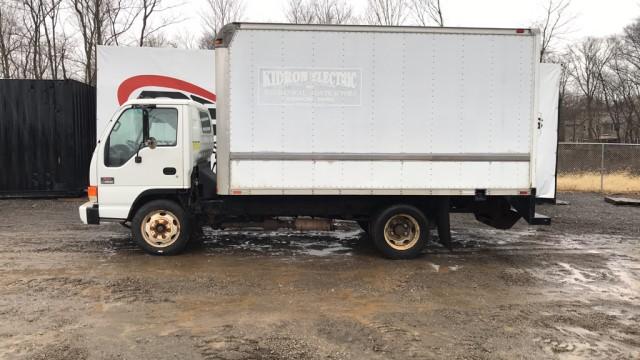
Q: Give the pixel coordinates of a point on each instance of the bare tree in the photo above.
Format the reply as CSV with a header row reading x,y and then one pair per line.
x,y
89,21
101,22
631,50
184,39
10,40
148,32
386,12
37,39
299,12
65,46
625,68
55,38
319,12
427,12
587,60
5,38
217,14
34,15
556,23
332,12
119,16
611,89
157,40
148,7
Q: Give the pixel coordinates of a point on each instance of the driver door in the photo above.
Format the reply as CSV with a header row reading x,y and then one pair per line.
x,y
120,177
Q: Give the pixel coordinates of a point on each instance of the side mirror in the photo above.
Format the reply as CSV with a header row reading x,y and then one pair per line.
x,y
151,143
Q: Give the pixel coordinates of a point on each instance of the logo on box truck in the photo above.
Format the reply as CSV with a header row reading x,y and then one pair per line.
x,y
134,83
326,87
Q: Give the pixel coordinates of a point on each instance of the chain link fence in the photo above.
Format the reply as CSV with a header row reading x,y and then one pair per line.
x,y
601,167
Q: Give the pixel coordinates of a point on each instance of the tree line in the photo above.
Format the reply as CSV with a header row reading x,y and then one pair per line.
x,y
57,39
600,88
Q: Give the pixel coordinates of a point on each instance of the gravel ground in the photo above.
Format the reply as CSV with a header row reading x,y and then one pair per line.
x,y
568,291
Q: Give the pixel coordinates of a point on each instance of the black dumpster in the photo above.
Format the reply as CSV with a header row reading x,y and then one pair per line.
x,y
47,135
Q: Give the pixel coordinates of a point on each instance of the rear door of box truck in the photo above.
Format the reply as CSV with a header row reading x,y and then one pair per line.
x,y
547,137
376,110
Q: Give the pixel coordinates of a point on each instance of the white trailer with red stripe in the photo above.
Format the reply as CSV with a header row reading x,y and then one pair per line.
x,y
126,73
394,127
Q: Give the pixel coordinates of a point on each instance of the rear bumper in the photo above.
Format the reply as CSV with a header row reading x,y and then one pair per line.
x,y
89,213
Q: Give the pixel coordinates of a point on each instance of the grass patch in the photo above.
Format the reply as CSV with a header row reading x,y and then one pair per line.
x,y
619,182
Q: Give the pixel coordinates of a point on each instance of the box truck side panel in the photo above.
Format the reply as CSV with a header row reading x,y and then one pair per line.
x,y
311,111
351,176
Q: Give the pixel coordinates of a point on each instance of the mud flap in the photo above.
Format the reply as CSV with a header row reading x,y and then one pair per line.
x,y
497,213
207,181
503,221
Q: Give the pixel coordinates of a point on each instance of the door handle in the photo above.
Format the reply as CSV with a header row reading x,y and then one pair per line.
x,y
169,171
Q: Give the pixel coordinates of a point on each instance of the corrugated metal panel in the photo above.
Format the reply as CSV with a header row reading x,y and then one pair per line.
x,y
47,135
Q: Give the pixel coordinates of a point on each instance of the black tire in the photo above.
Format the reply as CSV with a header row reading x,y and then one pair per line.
x,y
415,234
162,211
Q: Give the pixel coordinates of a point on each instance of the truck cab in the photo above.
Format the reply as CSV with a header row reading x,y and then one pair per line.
x,y
152,149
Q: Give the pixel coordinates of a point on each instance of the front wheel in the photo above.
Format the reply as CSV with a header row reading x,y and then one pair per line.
x,y
400,231
161,227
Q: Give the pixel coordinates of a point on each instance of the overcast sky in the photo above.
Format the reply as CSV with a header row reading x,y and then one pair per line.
x,y
593,17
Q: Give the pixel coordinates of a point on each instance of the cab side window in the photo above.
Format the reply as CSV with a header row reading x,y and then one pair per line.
x,y
127,134
125,138
163,126
205,122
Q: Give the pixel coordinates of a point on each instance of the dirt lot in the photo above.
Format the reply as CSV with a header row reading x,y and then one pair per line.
x,y
572,290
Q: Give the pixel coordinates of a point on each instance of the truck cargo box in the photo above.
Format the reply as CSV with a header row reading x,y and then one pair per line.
x,y
308,109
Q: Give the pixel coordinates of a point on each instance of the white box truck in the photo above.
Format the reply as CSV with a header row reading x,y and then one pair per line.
x,y
393,127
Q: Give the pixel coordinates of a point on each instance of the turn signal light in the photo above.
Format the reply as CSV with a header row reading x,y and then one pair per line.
x,y
92,192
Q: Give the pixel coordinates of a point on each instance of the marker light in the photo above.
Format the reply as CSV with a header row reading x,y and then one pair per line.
x,y
92,192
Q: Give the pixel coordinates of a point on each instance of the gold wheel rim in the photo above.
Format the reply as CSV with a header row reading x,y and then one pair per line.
x,y
160,228
401,232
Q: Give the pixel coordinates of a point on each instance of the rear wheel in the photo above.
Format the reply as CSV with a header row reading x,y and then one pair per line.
x,y
161,227
400,231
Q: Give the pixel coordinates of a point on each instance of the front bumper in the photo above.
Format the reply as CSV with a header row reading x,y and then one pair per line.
x,y
89,213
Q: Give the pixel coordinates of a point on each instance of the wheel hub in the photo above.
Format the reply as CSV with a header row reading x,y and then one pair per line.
x,y
160,228
402,231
